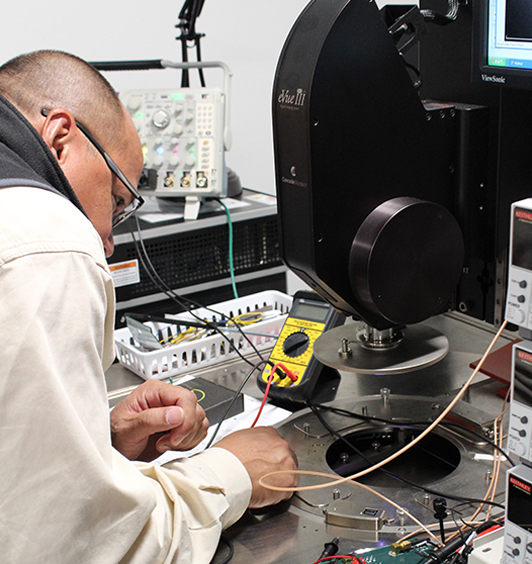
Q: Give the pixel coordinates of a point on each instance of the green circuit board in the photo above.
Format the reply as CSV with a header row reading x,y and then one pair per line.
x,y
414,553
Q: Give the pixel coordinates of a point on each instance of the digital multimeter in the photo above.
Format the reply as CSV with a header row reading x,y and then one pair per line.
x,y
309,317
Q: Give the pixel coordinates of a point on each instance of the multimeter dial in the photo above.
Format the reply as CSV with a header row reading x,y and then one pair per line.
x,y
296,344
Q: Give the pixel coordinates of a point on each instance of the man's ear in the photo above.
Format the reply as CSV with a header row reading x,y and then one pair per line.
x,y
60,133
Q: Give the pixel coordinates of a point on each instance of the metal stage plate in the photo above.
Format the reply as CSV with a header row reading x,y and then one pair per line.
x,y
295,532
421,346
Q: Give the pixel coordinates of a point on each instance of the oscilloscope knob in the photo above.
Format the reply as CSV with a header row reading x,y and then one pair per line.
x,y
134,103
160,119
174,160
158,161
296,344
190,160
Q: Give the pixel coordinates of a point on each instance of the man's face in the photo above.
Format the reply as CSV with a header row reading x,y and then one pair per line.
x,y
100,192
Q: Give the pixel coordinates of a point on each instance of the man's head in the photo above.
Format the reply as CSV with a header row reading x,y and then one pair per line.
x,y
71,90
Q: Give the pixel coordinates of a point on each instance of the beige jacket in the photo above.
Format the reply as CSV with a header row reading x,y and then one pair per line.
x,y
66,496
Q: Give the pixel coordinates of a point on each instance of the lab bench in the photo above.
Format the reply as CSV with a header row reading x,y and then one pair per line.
x,y
291,533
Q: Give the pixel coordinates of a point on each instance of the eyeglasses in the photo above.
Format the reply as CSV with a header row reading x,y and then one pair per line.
x,y
138,201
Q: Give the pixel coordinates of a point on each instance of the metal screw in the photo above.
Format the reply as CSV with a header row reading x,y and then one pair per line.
x,y
426,499
489,476
306,427
345,350
385,395
336,493
365,410
401,517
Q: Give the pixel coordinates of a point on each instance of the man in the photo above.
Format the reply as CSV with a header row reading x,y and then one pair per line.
x,y
66,495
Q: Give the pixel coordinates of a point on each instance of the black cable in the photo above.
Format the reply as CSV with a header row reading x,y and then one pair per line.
x,y
182,299
330,548
441,554
228,409
458,528
179,299
187,24
145,260
200,70
440,512
315,410
419,82
231,548
370,418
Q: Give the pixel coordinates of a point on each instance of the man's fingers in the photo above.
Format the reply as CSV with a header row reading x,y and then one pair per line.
x,y
175,416
184,439
157,420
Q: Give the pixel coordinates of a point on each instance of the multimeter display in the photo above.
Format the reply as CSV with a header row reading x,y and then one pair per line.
x,y
310,311
309,317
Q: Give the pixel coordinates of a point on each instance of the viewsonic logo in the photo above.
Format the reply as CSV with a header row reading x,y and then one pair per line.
x,y
491,78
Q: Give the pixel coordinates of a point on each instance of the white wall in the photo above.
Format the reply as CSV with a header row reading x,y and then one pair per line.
x,y
247,35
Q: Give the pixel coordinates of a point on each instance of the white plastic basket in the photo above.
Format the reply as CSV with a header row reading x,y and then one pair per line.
x,y
193,355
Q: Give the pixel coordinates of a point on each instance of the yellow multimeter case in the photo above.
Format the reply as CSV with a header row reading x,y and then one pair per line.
x,y
309,317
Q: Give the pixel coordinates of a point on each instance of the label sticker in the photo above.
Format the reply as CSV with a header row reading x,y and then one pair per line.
x,y
125,273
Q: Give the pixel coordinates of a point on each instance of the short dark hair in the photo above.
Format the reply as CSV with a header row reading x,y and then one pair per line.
x,y
50,79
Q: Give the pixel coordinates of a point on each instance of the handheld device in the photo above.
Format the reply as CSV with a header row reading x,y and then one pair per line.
x,y
309,317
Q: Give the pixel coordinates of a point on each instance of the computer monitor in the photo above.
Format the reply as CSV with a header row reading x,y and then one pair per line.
x,y
502,43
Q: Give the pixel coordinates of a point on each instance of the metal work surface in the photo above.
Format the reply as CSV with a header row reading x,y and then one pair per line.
x,y
295,532
421,346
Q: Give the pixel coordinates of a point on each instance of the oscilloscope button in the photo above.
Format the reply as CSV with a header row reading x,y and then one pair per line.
x,y
524,420
522,433
521,299
518,448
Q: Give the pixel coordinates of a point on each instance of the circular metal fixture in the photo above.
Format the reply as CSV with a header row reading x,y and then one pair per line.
x,y
449,461
406,259
421,346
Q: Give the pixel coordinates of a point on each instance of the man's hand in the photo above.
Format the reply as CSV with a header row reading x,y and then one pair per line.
x,y
157,417
261,450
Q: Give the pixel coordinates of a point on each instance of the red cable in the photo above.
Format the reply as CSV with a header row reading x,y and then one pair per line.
x,y
353,558
270,380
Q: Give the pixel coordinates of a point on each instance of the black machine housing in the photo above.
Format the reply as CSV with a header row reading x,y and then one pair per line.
x,y
365,171
392,198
